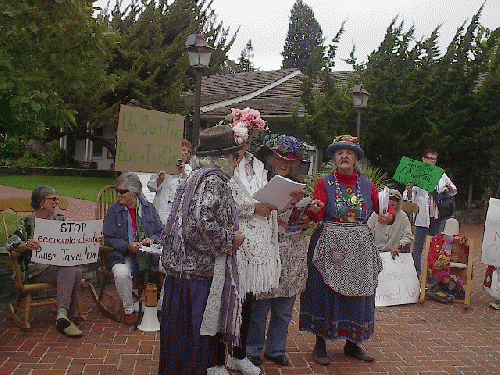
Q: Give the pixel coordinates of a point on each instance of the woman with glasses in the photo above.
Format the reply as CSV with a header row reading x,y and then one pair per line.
x,y
129,224
67,278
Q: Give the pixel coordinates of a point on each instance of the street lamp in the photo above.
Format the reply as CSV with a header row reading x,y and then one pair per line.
x,y
199,53
360,99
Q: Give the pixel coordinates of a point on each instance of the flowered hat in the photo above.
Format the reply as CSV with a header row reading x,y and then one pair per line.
x,y
243,120
346,142
217,140
285,146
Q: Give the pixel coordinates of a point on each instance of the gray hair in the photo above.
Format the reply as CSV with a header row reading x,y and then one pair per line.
x,y
222,162
131,181
39,194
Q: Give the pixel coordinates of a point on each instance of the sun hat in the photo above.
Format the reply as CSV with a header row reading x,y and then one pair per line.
x,y
243,121
395,193
285,146
218,140
451,227
346,142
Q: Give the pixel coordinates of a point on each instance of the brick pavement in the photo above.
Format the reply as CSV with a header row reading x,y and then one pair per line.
x,y
429,338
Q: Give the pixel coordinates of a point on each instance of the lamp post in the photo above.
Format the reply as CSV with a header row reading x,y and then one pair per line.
x,y
360,100
199,53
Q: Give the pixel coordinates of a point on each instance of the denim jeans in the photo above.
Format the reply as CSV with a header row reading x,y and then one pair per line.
x,y
277,331
420,235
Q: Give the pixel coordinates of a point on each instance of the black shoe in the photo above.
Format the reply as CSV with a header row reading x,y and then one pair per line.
x,y
255,359
320,355
281,359
353,350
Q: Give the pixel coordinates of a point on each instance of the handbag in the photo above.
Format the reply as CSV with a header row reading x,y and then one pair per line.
x,y
445,203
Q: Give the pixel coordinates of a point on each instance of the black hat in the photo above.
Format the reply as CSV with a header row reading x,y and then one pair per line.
x,y
216,141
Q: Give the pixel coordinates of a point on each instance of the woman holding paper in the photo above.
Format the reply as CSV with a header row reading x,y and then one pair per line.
x,y
67,278
343,261
282,154
129,224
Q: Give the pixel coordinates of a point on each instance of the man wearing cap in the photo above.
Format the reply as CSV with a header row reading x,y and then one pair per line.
x,y
398,235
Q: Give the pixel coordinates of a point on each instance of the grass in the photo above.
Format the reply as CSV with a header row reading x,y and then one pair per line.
x,y
85,188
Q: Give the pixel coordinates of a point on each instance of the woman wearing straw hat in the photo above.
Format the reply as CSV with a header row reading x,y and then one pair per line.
x,y
339,300
201,310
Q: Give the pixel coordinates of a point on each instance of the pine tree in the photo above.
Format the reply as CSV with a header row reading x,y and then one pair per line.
x,y
245,63
303,39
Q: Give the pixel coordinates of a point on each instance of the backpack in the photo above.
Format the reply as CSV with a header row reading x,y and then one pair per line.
x,y
445,203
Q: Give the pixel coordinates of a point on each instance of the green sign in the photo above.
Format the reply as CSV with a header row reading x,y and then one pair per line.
x,y
425,176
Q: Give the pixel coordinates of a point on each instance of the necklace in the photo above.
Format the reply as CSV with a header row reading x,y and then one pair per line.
x,y
347,200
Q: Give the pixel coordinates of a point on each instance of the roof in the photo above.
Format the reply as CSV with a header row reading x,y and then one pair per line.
x,y
274,93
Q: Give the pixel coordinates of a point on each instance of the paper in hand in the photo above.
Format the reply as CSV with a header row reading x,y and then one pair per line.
x,y
277,191
383,200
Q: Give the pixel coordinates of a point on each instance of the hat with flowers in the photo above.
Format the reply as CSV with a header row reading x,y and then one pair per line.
x,y
285,146
243,120
346,142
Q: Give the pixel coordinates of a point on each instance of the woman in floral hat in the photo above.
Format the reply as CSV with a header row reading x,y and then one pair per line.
x,y
343,261
282,155
259,265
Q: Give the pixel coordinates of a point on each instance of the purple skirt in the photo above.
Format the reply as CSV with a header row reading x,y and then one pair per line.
x,y
182,349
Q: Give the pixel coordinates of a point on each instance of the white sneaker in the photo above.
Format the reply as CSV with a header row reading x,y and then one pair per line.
x,y
217,370
245,366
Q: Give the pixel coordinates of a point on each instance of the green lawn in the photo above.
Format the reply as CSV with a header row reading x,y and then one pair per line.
x,y
85,188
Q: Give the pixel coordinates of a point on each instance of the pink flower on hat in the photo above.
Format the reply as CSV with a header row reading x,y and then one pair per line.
x,y
249,117
240,132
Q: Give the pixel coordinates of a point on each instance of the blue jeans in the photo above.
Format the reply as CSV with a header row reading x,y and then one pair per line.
x,y
277,331
418,246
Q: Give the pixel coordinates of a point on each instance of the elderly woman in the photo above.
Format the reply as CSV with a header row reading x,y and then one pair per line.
x,y
67,278
343,261
130,223
282,154
396,237
201,305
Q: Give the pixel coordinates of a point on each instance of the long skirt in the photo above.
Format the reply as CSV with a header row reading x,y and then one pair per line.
x,y
329,314
182,349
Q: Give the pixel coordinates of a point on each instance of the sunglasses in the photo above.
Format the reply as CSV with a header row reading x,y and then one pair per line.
x,y
122,191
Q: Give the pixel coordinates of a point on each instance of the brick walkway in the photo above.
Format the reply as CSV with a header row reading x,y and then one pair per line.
x,y
412,339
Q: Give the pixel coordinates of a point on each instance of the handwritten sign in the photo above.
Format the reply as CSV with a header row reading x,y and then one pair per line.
x,y
398,282
66,243
148,141
415,172
491,238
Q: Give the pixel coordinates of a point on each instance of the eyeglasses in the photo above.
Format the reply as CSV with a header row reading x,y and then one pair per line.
x,y
122,191
53,199
431,158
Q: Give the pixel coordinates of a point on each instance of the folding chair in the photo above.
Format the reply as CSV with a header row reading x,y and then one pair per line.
x,y
411,210
461,265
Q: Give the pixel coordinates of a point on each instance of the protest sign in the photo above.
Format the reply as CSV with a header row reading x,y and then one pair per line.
x,y
398,282
148,141
491,237
66,243
423,175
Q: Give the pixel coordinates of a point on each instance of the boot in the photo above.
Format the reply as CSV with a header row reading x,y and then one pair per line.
x,y
353,350
320,354
66,326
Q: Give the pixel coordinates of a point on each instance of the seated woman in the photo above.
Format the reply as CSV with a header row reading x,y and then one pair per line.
x,y
396,237
67,278
130,223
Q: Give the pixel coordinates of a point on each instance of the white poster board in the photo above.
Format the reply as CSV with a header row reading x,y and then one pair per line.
x,y
398,282
491,239
66,243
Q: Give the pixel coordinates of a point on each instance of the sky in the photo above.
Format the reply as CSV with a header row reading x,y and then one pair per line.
x,y
265,22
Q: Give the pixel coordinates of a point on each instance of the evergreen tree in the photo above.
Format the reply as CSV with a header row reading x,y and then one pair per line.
x,y
245,63
304,37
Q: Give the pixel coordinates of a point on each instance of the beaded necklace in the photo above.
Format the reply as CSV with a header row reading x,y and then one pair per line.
x,y
347,201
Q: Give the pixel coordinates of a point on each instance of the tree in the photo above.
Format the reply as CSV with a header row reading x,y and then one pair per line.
x,y
245,63
52,56
304,37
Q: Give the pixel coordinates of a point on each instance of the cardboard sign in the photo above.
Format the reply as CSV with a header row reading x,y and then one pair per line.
x,y
425,176
66,243
148,141
398,282
491,238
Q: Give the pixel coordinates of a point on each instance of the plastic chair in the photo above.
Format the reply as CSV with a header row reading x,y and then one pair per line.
x,y
27,295
462,268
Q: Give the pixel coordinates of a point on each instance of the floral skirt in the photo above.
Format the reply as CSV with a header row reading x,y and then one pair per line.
x,y
332,315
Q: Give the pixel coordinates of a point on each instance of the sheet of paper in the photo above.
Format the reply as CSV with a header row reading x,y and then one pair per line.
x,y
277,191
153,249
383,200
